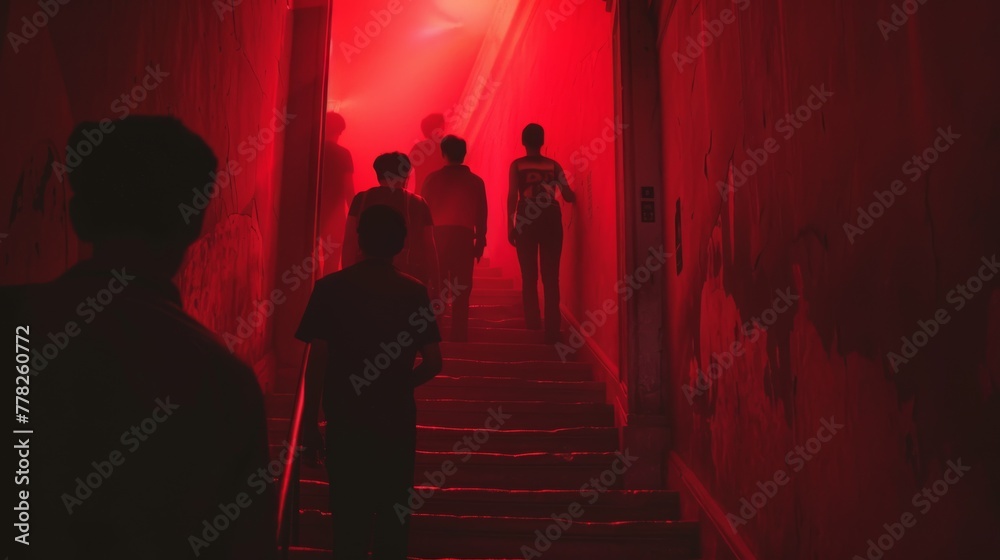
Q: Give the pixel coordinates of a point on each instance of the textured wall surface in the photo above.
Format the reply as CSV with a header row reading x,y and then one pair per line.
x,y
780,228
220,71
560,76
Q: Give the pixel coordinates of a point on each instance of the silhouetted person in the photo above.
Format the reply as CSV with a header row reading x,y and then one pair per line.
x,y
419,256
534,227
367,323
426,154
457,199
144,424
338,188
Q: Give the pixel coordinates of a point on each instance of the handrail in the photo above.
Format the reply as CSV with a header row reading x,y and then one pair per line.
x,y
288,490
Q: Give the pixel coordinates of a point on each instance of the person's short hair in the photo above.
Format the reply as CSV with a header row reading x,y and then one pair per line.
x,y
432,123
454,148
533,136
140,180
335,123
394,165
381,231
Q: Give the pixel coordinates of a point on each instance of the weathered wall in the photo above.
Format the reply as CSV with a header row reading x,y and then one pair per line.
x,y
222,74
858,293
560,76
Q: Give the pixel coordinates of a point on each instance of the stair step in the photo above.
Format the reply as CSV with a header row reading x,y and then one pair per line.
x,y
496,311
479,322
495,296
280,405
491,283
613,505
524,415
566,440
538,370
501,352
487,272
507,388
528,471
497,335
453,536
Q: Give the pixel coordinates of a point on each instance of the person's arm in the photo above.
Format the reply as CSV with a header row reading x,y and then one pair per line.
x,y
430,364
567,193
512,195
481,220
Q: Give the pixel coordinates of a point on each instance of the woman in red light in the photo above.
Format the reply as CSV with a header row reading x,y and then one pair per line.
x,y
534,227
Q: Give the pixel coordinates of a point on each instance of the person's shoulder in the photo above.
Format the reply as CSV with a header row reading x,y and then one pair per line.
x,y
416,198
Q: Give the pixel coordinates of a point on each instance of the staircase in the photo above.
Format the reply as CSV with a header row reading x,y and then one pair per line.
x,y
542,485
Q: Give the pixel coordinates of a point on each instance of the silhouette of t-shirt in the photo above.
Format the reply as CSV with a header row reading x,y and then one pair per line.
x,y
174,421
415,212
538,180
457,197
374,319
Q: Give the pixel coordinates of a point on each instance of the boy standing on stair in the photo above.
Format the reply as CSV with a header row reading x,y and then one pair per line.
x,y
366,329
457,199
534,227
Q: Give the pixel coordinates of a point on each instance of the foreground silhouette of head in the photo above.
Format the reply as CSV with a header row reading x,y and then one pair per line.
x,y
381,232
533,136
392,169
454,149
127,192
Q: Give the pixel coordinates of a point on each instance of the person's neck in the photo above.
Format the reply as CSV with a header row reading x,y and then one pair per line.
x,y
534,153
376,260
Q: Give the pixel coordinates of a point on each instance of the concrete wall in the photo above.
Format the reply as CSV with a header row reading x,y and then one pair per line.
x,y
854,292
559,74
222,72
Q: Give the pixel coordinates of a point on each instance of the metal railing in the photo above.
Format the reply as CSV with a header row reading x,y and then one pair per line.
x,y
288,490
